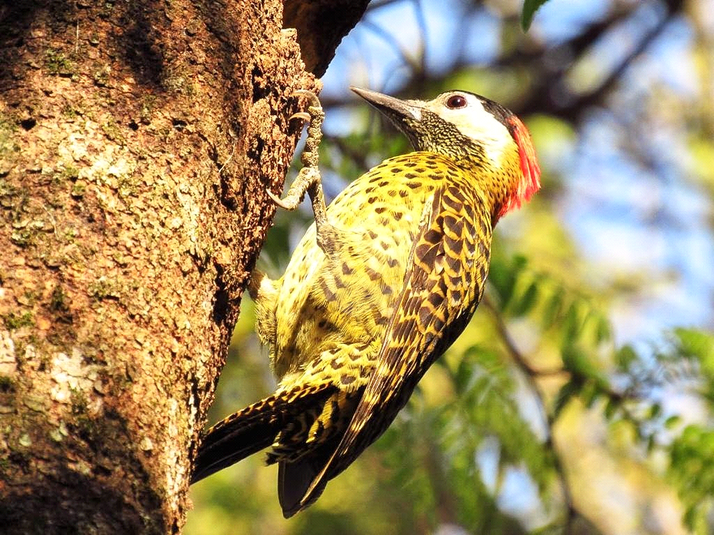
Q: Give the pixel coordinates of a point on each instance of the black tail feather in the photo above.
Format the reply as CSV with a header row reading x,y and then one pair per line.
x,y
252,429
232,440
294,480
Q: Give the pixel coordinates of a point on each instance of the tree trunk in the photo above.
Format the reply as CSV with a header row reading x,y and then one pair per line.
x,y
136,143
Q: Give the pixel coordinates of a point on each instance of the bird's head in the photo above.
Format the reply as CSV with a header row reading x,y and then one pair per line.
x,y
476,133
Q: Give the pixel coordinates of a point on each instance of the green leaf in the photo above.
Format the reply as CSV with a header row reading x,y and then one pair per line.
x,y
579,363
672,422
626,357
590,394
504,277
527,300
603,331
611,408
692,470
655,411
553,307
529,9
695,343
566,392
572,324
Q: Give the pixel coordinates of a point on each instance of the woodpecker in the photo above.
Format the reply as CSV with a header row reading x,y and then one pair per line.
x,y
379,287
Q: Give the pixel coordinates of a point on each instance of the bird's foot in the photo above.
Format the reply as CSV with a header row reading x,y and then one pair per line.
x,y
309,179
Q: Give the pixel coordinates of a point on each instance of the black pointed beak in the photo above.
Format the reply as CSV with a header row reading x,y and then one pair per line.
x,y
398,111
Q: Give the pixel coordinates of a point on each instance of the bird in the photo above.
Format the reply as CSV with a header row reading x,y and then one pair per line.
x,y
377,289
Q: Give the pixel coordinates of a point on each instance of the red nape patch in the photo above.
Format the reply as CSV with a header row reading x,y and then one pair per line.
x,y
530,182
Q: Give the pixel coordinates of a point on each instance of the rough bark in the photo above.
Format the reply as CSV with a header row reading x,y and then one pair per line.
x,y
136,143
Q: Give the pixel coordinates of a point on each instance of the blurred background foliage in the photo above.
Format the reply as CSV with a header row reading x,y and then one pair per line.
x,y
579,400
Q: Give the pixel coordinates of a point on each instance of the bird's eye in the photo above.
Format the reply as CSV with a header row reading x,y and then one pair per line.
x,y
455,102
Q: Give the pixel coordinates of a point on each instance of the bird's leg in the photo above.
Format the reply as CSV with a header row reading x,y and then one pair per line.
x,y
309,180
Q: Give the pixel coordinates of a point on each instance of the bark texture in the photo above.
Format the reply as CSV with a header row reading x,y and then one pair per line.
x,y
321,25
136,142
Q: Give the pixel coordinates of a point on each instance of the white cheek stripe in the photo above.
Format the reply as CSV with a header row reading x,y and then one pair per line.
x,y
492,136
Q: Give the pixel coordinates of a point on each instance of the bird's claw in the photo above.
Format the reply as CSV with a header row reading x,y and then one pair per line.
x,y
277,200
305,116
310,95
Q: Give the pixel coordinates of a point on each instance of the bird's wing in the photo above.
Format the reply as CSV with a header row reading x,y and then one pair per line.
x,y
443,283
